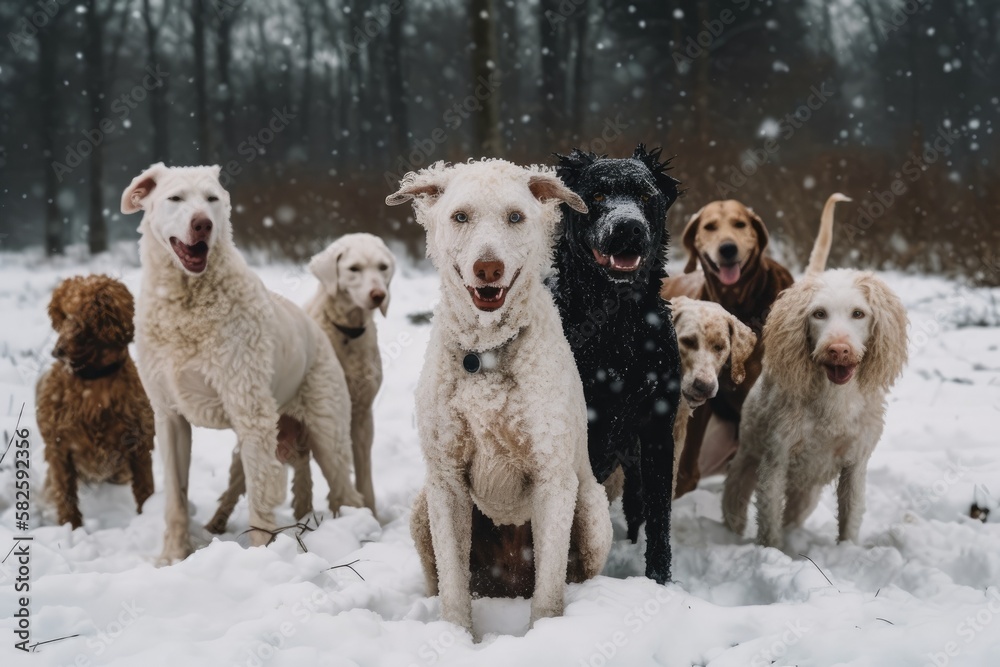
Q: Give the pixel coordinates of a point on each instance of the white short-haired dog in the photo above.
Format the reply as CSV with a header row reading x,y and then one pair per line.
x,y
216,349
834,343
354,274
500,407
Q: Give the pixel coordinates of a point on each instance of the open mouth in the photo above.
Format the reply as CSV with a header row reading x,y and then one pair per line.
x,y
692,400
729,274
840,374
491,297
622,263
194,258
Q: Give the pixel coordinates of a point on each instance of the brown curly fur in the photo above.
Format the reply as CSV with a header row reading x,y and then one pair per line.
x,y
101,429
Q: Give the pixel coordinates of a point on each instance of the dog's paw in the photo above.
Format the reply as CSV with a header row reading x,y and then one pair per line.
x,y
173,554
217,526
545,611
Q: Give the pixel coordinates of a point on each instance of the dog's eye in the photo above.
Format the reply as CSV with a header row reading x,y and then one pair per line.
x,y
354,269
718,347
515,217
212,198
645,198
689,342
858,314
598,197
711,227
739,224
175,198
383,267
460,216
820,314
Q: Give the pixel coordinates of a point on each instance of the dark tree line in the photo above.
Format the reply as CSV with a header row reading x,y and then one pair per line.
x,y
314,107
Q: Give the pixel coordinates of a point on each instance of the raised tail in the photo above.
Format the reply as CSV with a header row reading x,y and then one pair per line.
x,y
821,249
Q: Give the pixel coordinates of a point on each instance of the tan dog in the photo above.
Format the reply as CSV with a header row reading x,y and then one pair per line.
x,y
728,240
709,339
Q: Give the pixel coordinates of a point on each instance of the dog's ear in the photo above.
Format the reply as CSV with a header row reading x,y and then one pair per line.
x,y
390,259
741,344
133,199
758,225
787,351
111,313
886,347
546,186
570,167
687,238
677,305
664,183
425,186
323,265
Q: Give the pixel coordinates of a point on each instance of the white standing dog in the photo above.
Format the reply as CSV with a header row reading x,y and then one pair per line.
x,y
354,274
216,349
500,407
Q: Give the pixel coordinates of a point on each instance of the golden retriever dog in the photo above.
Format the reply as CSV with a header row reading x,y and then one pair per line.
x,y
834,344
92,411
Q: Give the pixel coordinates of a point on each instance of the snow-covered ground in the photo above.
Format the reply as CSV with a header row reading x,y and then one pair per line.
x,y
923,587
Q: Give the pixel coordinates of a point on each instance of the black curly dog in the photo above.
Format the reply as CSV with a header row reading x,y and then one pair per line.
x,y
610,262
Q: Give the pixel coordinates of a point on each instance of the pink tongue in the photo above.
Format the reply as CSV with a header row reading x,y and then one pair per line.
x,y
729,275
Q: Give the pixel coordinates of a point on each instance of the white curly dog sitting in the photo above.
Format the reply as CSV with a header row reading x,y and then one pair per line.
x,y
500,407
216,349
834,343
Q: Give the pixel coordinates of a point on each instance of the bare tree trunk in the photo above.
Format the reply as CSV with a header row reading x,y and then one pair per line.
x,y
48,53
158,95
305,108
397,83
97,229
578,110
486,129
223,61
200,82
552,89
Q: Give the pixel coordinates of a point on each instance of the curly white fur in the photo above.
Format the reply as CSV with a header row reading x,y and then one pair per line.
x,y
512,440
216,349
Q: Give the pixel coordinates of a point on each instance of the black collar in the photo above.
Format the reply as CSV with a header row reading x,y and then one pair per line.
x,y
350,332
91,373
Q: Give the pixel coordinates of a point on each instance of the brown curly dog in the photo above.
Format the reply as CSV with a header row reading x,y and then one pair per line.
x,y
92,411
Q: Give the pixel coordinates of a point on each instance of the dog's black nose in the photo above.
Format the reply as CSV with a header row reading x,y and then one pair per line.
x,y
633,228
728,250
702,387
201,229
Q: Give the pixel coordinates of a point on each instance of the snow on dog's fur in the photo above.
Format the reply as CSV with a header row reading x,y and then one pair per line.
x,y
354,274
511,438
216,349
834,344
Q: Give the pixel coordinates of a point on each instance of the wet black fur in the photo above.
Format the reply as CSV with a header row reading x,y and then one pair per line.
x,y
622,335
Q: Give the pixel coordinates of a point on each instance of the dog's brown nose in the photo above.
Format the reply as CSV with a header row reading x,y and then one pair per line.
x,y
838,352
201,229
489,271
702,387
377,296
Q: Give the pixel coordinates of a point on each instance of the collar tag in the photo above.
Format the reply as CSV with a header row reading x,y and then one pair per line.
x,y
472,363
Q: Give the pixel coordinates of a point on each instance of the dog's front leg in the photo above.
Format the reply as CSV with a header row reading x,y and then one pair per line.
x,y
553,505
264,475
449,507
851,501
772,481
657,454
174,435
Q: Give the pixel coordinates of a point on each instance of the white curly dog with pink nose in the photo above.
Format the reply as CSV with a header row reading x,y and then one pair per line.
x,y
500,407
216,349
834,343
